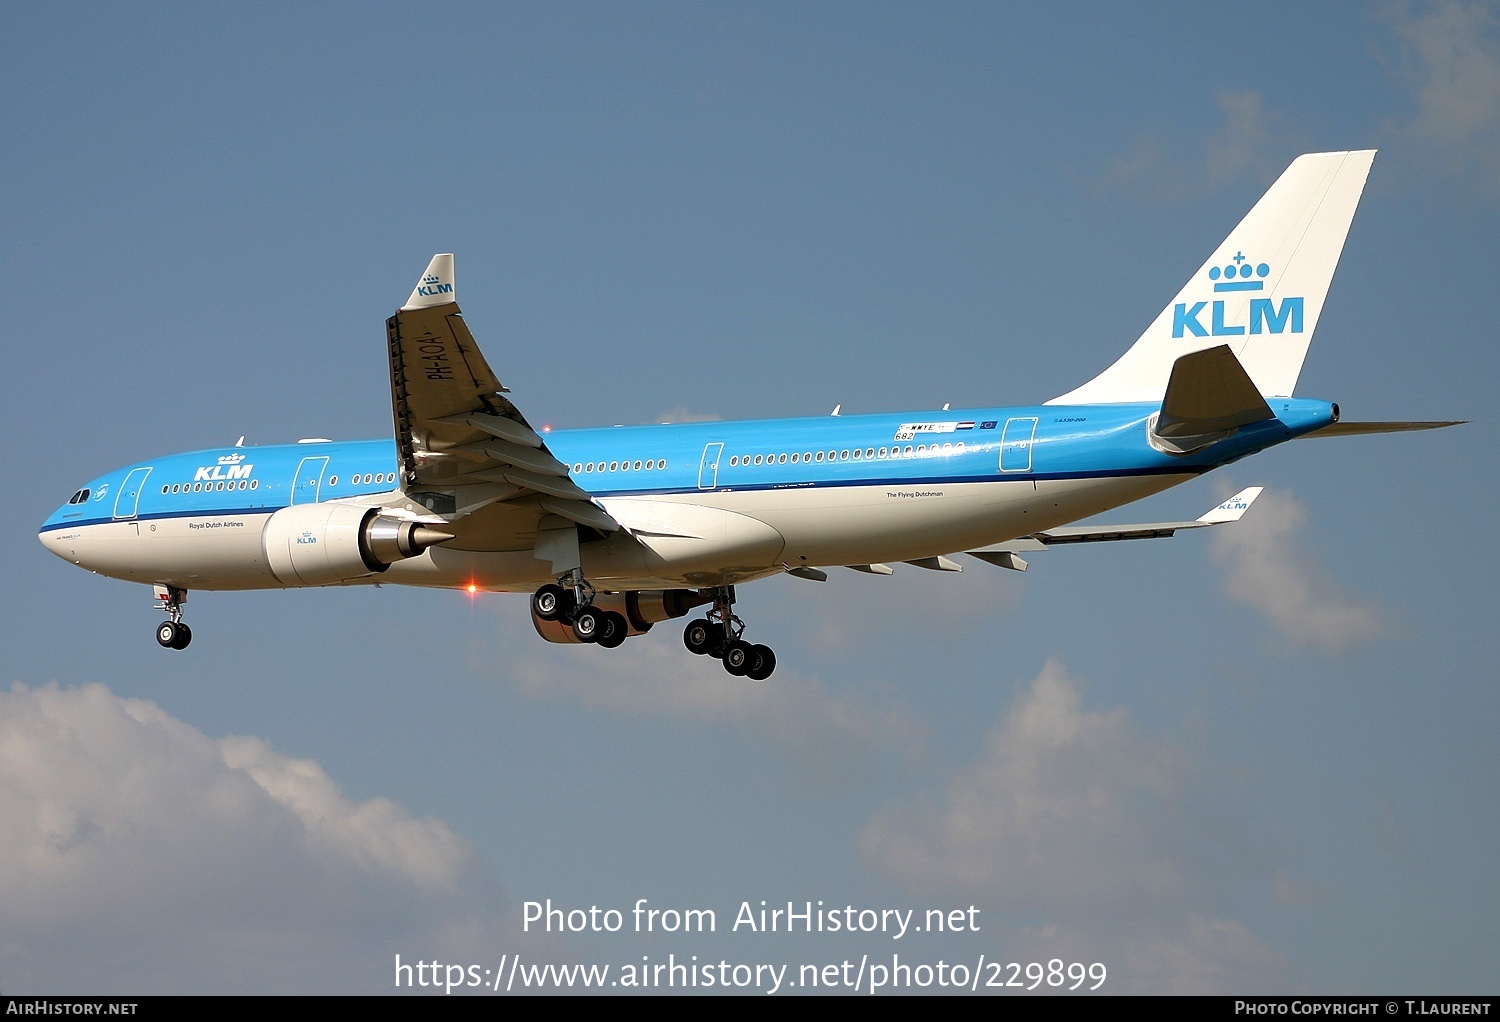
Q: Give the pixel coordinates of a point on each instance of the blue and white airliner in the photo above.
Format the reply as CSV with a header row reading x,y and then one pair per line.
x,y
613,530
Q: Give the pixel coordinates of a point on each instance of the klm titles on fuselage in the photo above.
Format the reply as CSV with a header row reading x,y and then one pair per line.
x,y
230,466
1266,317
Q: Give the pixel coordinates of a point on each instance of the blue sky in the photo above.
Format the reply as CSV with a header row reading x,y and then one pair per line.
x,y
1261,761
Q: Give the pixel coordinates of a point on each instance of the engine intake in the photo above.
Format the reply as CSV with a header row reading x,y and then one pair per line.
x,y
323,544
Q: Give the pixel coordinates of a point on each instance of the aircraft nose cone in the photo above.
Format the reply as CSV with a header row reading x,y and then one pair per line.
x,y
54,542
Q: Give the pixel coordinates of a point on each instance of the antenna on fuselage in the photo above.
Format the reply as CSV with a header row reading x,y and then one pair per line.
x,y
240,442
836,409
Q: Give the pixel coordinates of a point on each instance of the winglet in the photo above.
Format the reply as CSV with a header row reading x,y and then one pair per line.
x,y
436,285
1233,508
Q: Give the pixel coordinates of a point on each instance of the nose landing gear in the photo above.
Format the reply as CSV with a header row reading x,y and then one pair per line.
x,y
719,635
172,633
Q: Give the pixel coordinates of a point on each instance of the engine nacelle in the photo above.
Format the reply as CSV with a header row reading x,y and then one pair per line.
x,y
641,609
323,544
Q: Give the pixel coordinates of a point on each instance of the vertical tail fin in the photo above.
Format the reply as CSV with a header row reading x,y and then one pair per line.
x,y
1260,292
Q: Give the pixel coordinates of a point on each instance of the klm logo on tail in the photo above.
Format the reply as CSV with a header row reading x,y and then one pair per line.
x,y
1266,317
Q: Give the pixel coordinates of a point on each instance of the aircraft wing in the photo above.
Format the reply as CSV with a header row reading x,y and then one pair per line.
x,y
462,444
1004,554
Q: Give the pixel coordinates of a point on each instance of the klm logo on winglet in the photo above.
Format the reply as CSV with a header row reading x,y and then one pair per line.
x,y
430,287
1266,317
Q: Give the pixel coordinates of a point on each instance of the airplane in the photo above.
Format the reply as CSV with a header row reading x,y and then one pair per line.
x,y
615,530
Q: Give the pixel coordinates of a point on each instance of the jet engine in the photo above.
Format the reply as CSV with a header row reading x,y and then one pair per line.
x,y
640,608
323,544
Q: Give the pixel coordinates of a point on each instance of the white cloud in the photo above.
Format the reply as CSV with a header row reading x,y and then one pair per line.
x,y
1453,62
1203,956
1267,567
143,856
1074,816
1242,144
1048,815
681,413
1249,141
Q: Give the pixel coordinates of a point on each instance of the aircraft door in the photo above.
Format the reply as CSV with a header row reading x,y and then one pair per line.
x,y
708,468
130,493
308,480
1015,444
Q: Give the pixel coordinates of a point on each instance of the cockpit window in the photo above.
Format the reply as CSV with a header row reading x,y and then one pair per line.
x,y
79,497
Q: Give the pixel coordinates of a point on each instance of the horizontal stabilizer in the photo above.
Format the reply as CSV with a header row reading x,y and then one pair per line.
x,y
1362,428
1209,392
1229,511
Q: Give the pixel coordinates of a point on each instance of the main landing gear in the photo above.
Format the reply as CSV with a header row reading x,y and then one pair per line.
x,y
719,635
172,633
573,605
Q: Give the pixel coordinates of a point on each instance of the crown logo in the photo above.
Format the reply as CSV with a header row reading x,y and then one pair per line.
x,y
429,279
231,459
1236,275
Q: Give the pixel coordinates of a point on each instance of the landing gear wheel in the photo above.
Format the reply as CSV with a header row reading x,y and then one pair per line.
x,y
762,663
184,636
737,657
613,629
588,623
698,636
551,603
168,634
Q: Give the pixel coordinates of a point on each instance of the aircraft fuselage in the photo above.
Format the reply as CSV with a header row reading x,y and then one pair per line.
x,y
705,503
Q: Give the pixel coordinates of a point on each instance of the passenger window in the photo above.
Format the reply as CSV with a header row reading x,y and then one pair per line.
x,y
820,455
843,455
856,455
255,484
589,467
781,459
